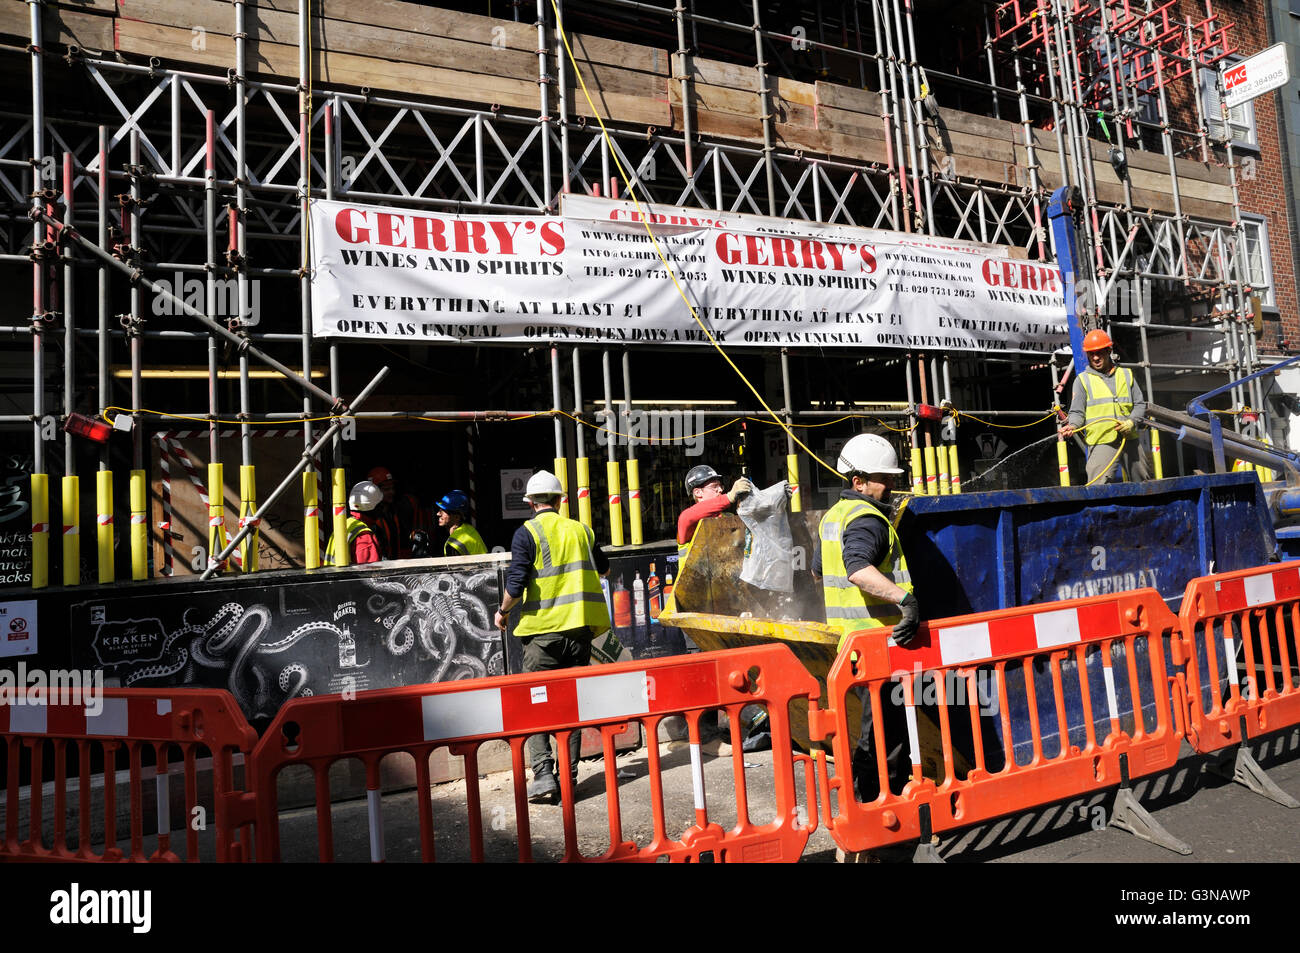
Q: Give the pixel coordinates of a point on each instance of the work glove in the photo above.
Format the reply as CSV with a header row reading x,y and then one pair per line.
x,y
905,631
740,488
1125,427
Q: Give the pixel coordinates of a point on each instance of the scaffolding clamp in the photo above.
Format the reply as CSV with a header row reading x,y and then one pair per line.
x,y
132,324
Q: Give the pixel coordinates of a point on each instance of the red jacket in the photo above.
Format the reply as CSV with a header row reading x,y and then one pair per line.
x,y
691,517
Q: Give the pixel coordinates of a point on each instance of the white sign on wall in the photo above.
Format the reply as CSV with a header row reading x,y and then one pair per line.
x,y
513,483
1255,76
393,274
18,628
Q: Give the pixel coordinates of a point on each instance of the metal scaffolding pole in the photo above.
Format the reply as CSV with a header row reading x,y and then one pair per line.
x,y
562,105
766,111
916,119
684,85
893,140
544,110
69,324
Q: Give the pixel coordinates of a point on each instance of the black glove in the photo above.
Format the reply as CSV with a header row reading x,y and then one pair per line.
x,y
905,631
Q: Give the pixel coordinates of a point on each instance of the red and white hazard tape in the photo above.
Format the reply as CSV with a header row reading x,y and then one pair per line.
x,y
40,528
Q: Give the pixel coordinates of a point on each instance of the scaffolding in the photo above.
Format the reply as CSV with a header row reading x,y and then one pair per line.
x,y
193,152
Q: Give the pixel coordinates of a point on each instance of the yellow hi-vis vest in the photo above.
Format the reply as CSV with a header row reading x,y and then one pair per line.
x,y
464,540
848,608
355,528
1104,409
564,590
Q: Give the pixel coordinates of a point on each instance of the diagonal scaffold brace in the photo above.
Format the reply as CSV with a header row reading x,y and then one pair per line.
x,y
66,233
303,462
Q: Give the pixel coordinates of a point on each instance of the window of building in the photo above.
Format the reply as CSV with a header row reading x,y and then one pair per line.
x,y
1241,119
1257,261
1295,8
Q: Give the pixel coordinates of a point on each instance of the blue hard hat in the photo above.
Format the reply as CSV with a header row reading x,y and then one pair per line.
x,y
454,502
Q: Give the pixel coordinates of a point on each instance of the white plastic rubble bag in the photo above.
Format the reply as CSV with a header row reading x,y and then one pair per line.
x,y
769,547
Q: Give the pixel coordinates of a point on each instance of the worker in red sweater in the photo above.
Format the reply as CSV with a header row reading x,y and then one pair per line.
x,y
705,485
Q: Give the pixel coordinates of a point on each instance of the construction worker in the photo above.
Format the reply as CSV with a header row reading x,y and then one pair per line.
x,y
363,546
554,577
705,486
1253,427
867,586
462,538
396,517
1107,404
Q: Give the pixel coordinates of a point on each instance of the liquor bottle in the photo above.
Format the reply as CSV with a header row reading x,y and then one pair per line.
x,y
656,596
638,601
347,649
622,605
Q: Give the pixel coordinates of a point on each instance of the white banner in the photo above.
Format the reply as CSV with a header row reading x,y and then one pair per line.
x,y
383,273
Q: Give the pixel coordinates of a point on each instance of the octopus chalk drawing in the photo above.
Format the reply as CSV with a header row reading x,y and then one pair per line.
x,y
446,615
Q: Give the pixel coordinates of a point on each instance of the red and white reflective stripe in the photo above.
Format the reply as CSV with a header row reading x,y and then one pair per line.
x,y
527,707
794,487
1246,592
72,530
340,510
634,494
164,526
249,521
111,717
1016,634
311,512
139,518
40,527
216,520
615,499
1108,674
105,519
584,492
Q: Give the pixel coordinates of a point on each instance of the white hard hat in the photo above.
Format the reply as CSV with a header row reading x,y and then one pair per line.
x,y
365,496
868,453
542,483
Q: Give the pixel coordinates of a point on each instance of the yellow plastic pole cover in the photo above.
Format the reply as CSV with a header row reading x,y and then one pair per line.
x,y
139,494
216,512
342,551
247,507
1063,462
40,530
792,477
941,460
71,530
310,520
562,472
615,504
954,467
104,523
918,475
634,499
584,491
930,479
1157,464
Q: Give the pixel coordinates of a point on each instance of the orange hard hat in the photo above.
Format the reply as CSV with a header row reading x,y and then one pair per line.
x,y
379,475
1097,340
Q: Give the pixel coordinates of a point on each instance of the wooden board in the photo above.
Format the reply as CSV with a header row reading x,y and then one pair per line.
x,y
61,26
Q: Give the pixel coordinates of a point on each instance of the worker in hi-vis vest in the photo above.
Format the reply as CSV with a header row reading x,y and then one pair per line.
x,y
867,586
704,484
1107,405
453,516
363,545
554,578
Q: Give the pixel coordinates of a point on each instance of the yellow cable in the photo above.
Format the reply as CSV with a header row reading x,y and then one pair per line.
x,y
631,191
989,423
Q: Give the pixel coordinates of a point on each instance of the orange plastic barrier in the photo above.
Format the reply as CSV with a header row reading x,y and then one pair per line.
x,y
103,730
1239,648
317,732
1040,723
